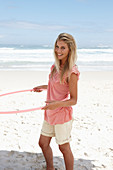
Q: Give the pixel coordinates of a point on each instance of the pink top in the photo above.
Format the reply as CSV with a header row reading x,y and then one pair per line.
x,y
59,91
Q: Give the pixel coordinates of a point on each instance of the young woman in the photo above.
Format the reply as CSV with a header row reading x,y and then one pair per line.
x,y
61,95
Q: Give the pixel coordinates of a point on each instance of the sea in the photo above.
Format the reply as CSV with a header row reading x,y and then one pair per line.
x,y
29,57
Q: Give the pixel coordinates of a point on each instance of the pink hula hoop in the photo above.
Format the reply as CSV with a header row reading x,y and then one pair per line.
x,y
19,111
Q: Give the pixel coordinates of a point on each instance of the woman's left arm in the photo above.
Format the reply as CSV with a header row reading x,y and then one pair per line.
x,y
73,91
51,105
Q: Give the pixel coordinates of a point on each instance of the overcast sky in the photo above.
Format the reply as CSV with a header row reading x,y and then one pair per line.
x,y
38,22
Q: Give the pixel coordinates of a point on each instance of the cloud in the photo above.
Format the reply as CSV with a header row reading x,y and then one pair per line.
x,y
79,27
12,7
29,25
110,30
1,36
11,4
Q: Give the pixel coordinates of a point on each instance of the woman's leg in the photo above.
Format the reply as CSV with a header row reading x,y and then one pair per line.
x,y
44,143
68,156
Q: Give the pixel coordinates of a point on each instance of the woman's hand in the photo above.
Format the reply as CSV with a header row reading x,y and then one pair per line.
x,y
39,88
51,105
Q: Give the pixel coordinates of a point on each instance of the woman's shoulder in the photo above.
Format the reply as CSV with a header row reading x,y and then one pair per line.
x,y
52,67
75,70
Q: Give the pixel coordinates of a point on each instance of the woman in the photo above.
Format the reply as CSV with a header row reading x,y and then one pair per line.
x,y
61,95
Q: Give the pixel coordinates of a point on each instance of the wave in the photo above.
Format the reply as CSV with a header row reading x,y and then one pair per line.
x,y
96,50
42,58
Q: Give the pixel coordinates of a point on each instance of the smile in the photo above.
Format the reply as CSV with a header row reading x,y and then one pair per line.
x,y
60,54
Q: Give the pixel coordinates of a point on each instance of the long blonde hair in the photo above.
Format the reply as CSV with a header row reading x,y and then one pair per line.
x,y
72,56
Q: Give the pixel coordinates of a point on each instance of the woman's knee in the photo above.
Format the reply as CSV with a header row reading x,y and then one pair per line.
x,y
44,141
65,148
41,143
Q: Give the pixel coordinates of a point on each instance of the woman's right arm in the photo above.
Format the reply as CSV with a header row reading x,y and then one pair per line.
x,y
39,88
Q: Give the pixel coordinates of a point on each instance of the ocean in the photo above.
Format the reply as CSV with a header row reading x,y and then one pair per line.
x,y
41,58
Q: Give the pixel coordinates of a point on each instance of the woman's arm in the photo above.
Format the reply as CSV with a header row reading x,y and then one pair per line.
x,y
73,91
39,88
51,105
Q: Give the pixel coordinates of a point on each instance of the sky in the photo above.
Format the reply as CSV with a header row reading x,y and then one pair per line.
x,y
38,22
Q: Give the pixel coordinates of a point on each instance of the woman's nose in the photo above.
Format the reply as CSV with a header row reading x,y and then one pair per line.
x,y
59,50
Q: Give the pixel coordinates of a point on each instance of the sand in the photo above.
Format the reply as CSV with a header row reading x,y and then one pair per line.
x,y
92,134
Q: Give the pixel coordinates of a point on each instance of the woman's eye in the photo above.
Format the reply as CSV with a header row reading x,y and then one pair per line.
x,y
57,46
63,48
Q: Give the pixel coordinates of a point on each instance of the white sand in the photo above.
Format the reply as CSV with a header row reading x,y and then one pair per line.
x,y
92,134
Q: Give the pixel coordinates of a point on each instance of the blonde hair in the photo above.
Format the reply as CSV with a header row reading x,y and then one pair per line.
x,y
72,56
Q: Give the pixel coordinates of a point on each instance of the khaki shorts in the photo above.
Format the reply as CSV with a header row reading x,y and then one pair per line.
x,y
61,132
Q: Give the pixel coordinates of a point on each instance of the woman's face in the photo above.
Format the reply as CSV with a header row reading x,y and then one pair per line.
x,y
62,51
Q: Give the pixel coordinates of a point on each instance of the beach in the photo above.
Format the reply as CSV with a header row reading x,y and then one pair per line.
x,y
92,133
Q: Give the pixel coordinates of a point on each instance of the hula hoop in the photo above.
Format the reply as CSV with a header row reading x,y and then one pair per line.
x,y
19,111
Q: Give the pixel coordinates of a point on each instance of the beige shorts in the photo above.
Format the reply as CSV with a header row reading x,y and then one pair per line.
x,y
61,132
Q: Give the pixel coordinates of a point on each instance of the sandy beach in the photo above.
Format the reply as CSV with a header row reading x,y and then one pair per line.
x,y
92,134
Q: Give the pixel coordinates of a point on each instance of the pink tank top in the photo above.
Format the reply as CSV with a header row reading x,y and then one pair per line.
x,y
59,91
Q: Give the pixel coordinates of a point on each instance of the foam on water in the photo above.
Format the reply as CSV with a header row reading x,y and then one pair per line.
x,y
12,58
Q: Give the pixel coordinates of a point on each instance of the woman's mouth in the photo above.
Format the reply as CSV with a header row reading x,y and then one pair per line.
x,y
60,55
